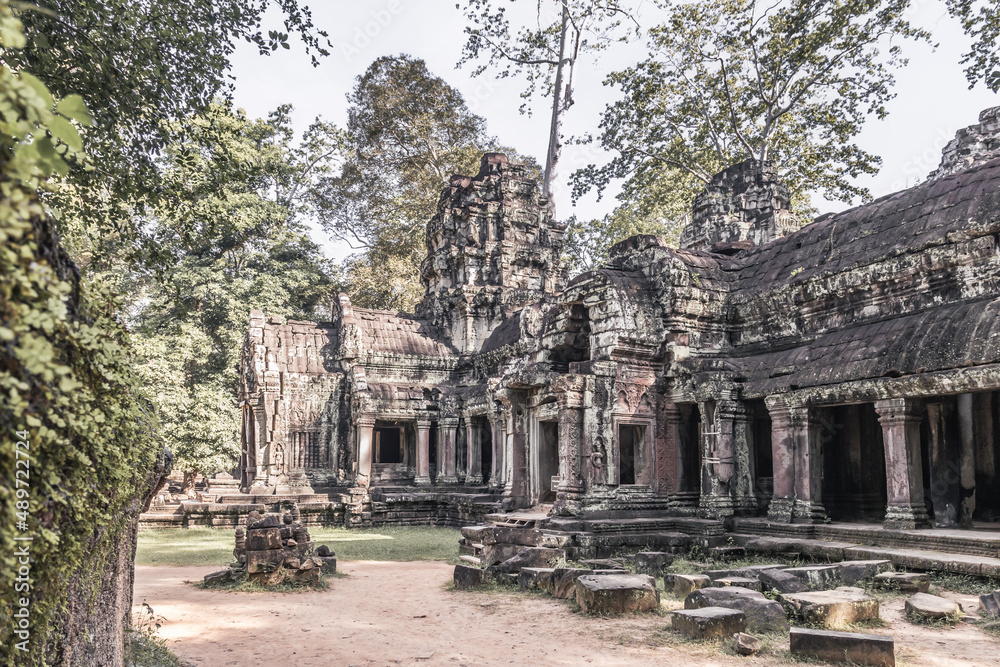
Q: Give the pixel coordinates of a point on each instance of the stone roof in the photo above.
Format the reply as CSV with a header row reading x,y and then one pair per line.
x,y
297,347
389,332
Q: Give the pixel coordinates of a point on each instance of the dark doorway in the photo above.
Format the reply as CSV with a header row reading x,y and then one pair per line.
x,y
629,441
762,454
854,486
486,450
548,460
690,442
388,445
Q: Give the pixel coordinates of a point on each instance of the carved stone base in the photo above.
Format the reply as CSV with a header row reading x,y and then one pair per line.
x,y
715,507
906,517
781,509
422,481
447,479
806,511
474,479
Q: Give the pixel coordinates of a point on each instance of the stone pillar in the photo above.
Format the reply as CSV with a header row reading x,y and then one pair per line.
x,y
669,462
473,456
900,419
571,485
945,472
966,460
497,476
741,486
785,423
366,428
716,460
809,470
446,460
423,477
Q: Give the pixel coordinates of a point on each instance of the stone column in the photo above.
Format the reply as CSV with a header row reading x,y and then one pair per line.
x,y
669,464
571,485
366,428
741,486
716,460
423,477
446,461
966,460
900,419
786,422
497,477
810,438
473,457
945,471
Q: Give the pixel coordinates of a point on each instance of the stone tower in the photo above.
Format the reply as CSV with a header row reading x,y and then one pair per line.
x,y
741,207
492,248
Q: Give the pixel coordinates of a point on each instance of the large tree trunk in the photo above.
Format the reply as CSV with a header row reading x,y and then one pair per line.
x,y
552,156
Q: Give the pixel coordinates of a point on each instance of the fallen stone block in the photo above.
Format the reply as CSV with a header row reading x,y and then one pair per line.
x,y
530,578
745,644
263,539
742,582
708,622
468,577
817,577
530,557
926,607
217,578
329,564
264,561
498,553
652,562
604,563
727,553
989,603
904,582
478,534
685,583
750,571
562,583
781,581
832,609
309,576
850,647
762,615
620,571
617,593
853,571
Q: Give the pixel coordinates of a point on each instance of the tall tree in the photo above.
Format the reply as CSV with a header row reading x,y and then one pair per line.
x,y
408,131
546,51
140,65
727,80
229,217
981,21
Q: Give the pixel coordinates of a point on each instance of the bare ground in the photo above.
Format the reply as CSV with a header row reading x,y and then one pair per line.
x,y
403,613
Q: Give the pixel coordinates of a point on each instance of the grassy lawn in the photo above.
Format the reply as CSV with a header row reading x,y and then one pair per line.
x,y
211,546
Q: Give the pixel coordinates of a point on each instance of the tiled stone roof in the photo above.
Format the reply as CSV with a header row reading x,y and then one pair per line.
x,y
391,333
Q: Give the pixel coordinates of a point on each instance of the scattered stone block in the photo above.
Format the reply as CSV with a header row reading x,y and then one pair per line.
x,y
562,583
328,564
762,615
506,578
478,534
620,571
604,563
926,607
652,562
217,578
745,644
530,578
742,582
686,583
324,551
832,609
264,561
905,582
269,521
468,577
530,557
850,647
989,603
617,593
817,577
309,576
727,553
781,581
263,539
853,571
708,622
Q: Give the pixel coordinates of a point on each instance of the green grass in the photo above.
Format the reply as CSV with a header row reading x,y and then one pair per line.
x,y
211,546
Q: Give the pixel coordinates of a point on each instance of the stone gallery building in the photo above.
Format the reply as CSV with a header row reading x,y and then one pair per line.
x,y
845,370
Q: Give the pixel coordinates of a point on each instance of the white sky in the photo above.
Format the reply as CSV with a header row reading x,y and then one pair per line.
x,y
932,102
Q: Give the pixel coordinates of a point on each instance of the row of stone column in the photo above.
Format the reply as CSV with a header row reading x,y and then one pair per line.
x,y
447,466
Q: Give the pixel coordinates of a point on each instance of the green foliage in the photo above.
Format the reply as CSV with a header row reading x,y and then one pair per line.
x,y
141,65
227,224
728,80
408,131
67,389
981,21
588,242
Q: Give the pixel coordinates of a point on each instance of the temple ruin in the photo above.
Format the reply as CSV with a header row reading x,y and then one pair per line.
x,y
845,371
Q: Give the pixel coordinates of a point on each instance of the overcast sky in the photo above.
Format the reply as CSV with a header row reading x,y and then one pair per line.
x,y
933,100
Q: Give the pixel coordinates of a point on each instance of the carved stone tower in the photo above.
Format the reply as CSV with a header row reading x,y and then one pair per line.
x,y
492,248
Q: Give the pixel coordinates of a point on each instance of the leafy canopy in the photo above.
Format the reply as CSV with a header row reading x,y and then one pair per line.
x,y
727,80
981,21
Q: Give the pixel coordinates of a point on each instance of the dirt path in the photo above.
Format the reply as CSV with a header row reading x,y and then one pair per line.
x,y
403,614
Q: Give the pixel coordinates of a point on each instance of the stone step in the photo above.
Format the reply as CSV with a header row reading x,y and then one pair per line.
x,y
920,559
471,560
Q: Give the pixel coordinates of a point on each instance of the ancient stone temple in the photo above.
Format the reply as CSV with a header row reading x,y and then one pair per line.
x,y
847,370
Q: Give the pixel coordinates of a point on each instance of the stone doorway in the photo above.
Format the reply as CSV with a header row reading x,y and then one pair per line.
x,y
486,449
546,463
854,476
